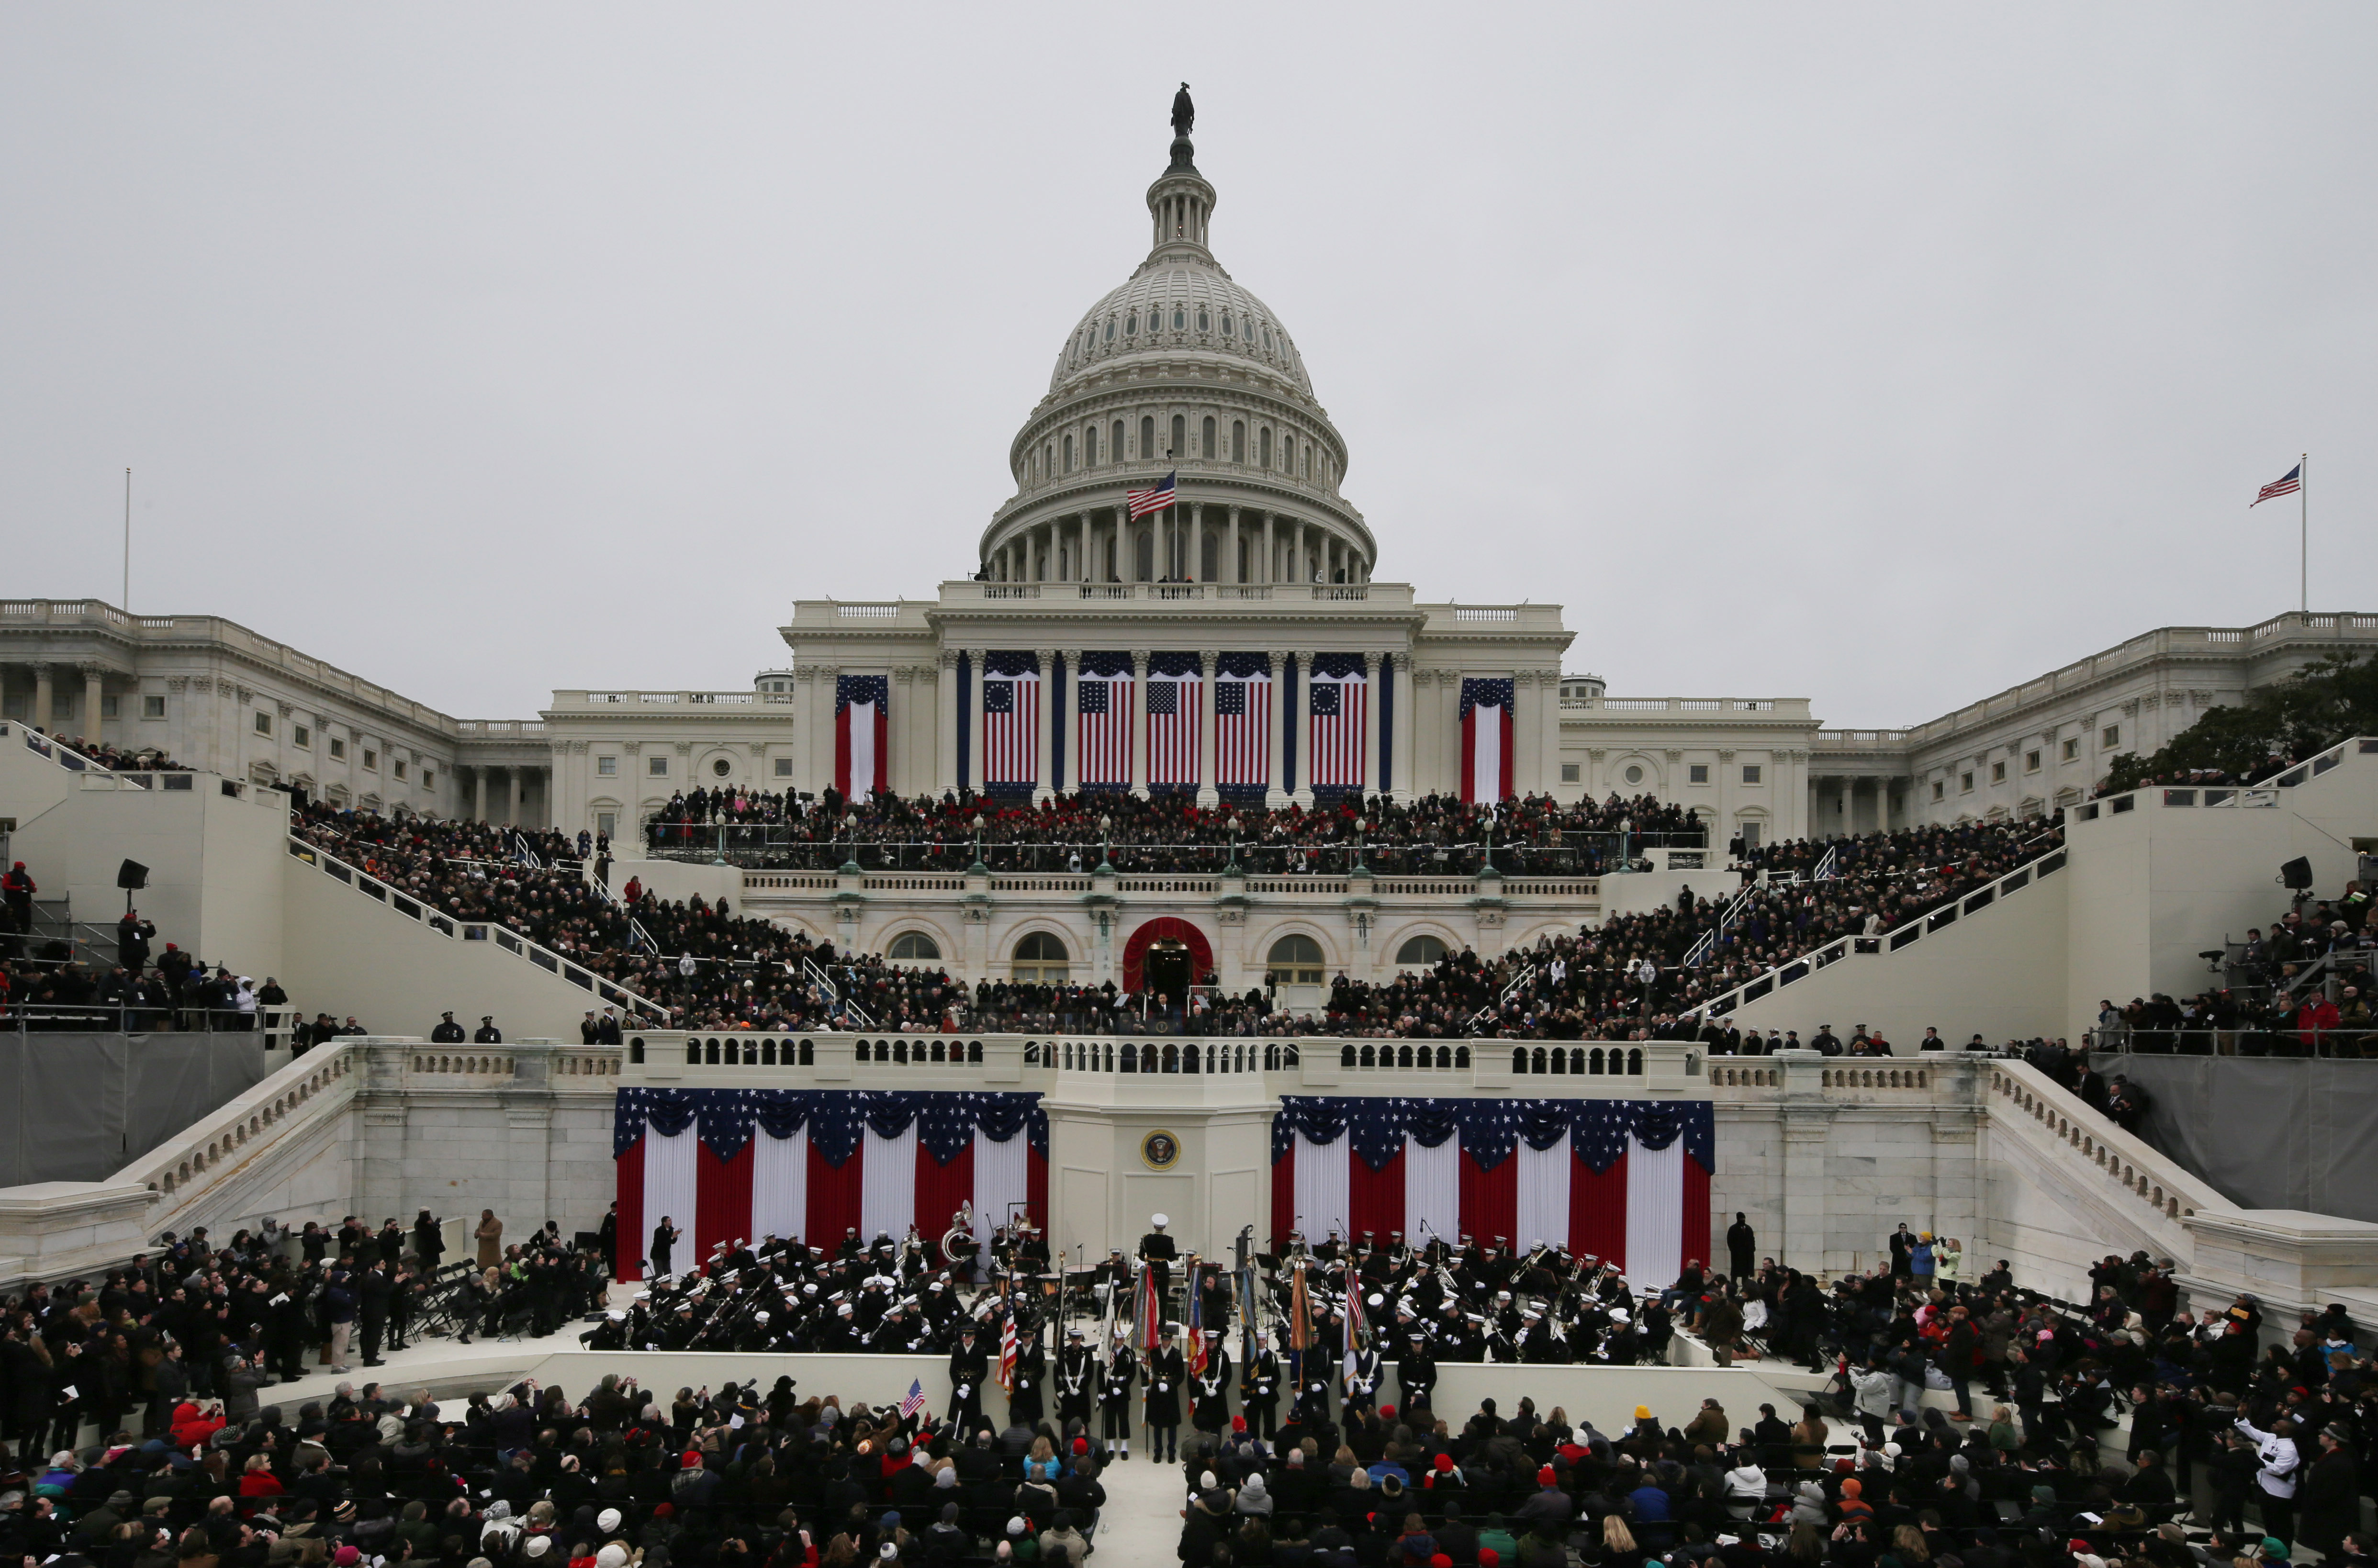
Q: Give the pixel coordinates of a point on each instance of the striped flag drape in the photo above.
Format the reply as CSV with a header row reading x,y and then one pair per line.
x,y
1339,698
816,1162
1625,1181
1243,707
1175,703
1102,733
1010,721
862,735
1486,738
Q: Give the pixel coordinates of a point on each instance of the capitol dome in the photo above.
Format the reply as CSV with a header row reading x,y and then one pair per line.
x,y
1180,370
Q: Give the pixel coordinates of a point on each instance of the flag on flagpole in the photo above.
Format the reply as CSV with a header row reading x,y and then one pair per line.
x,y
1153,499
1300,1313
2286,485
1196,1329
914,1400
1007,1351
1150,1310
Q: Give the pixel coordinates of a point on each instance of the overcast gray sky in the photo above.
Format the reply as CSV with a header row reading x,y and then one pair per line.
x,y
1886,356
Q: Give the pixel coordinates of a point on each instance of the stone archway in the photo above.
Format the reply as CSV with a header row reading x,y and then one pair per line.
x,y
1164,929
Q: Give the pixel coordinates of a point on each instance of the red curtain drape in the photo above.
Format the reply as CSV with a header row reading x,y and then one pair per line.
x,y
628,1188
1597,1211
1490,1200
833,1198
1376,1197
722,1203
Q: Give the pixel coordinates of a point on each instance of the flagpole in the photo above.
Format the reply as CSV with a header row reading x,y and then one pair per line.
x,y
2303,529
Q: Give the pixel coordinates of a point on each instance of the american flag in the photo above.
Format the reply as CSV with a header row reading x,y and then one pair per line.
x,y
914,1400
1011,729
1198,1357
2286,485
1103,747
1242,730
1338,704
1007,1352
1172,705
1152,501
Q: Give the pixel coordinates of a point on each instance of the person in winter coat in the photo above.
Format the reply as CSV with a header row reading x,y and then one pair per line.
x,y
2328,1502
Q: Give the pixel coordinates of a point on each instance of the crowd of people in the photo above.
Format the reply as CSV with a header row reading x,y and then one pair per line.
x,y
2302,988
1167,831
139,760
54,982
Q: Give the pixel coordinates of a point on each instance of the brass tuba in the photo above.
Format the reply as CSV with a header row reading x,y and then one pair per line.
x,y
958,1241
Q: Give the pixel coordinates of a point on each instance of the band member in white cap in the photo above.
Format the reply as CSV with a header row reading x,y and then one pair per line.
x,y
1158,1251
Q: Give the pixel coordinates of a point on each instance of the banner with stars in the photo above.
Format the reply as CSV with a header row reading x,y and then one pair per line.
x,y
1625,1181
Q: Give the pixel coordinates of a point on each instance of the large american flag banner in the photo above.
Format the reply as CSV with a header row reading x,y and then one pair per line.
x,y
1175,699
1011,721
1102,741
1625,1181
1242,707
862,735
1486,736
1338,700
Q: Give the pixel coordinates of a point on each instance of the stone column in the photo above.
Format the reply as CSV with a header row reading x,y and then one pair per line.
x,y
1229,561
517,783
1082,547
1208,793
1193,552
1398,669
1140,723
1265,575
1303,793
1165,543
1071,718
1524,761
94,680
974,772
1275,790
945,723
1372,668
1297,571
44,713
479,792
1045,732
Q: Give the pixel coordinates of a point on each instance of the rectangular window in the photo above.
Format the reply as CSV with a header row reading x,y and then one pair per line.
x,y
301,735
1966,783
1698,773
2071,748
400,770
2112,737
1569,774
1938,789
1751,773
264,724
656,766
606,767
110,705
1997,773
152,705
429,778
607,822
371,758
338,747
1750,835
784,767
2031,762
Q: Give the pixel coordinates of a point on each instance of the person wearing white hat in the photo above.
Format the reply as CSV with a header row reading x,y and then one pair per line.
x,y
1158,1251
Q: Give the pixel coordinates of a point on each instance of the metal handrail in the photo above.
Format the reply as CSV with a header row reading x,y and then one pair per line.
x,y
849,1008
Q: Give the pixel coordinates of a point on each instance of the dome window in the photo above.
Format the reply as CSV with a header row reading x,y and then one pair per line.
x,y
1226,324
1179,319
1205,322
1267,348
1131,325
1111,329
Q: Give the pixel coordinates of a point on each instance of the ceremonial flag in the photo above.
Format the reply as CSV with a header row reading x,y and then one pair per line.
x,y
1625,1181
1153,499
1487,737
914,1400
1243,701
1150,1310
1102,747
1007,1355
1300,1313
862,735
1175,694
1197,1328
2287,485
1011,728
1338,700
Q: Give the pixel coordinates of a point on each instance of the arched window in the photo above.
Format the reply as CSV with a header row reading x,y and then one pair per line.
x,y
1090,445
636,1049
973,1050
1179,319
1111,329
1370,1056
1308,460
1288,453
1069,454
1131,325
1421,950
1205,322
1180,435
1114,443
1226,324
1263,448
1238,440
1207,447
1519,1059
1403,1056
1147,437
1047,458
1040,960
1295,961
768,1053
1345,1055
1560,1062
809,1053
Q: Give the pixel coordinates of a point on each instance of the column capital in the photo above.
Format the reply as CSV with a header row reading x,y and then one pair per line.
x,y
947,658
1073,657
1279,662
1210,659
1371,660
1401,661
1139,657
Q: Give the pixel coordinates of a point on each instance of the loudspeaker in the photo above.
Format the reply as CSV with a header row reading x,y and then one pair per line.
x,y
2296,873
131,874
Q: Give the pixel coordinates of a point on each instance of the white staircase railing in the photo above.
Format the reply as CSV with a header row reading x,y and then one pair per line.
x,y
850,1010
458,929
1728,913
1501,999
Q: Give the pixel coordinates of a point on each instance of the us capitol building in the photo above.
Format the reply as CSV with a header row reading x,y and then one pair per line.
x,y
1238,643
